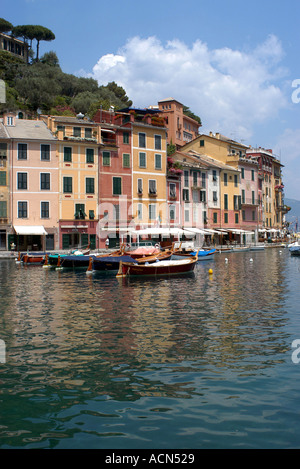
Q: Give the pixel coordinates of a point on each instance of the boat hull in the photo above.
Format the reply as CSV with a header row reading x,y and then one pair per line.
x,y
295,250
202,255
158,268
109,263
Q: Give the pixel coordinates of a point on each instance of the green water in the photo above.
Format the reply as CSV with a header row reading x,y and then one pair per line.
x,y
197,361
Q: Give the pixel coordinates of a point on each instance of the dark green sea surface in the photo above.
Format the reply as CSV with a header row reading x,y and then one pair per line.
x,y
191,362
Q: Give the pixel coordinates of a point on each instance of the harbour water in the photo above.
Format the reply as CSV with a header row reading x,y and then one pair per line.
x,y
191,362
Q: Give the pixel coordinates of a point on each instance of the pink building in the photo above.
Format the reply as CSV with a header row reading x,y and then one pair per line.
x,y
250,201
33,184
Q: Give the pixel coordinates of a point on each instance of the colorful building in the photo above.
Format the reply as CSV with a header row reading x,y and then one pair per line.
x,y
33,181
181,128
78,143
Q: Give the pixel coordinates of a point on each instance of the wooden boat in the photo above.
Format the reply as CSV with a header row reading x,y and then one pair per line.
x,y
161,256
257,248
170,267
143,252
107,263
202,254
33,259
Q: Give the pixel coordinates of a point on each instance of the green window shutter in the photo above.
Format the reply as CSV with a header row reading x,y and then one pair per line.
x,y
90,155
90,185
106,158
117,186
84,239
126,160
3,209
3,178
92,241
67,185
65,241
67,154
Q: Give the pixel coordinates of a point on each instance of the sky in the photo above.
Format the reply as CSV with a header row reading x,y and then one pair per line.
x,y
235,64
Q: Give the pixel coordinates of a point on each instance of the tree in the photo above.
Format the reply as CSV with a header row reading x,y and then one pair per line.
x,y
50,58
5,26
42,34
120,93
189,113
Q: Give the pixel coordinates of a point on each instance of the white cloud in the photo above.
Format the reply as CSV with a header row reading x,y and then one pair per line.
x,y
288,149
229,89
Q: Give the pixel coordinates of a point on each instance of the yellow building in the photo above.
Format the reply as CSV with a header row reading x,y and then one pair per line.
x,y
149,163
77,153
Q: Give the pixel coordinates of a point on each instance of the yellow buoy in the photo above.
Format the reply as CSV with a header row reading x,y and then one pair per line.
x,y
210,271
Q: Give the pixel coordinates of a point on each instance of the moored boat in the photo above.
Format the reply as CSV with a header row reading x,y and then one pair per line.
x,y
169,267
107,263
241,248
33,259
294,249
202,254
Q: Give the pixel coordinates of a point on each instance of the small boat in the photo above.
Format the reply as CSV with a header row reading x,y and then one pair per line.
x,y
143,252
294,249
257,248
170,267
33,259
202,254
161,256
107,263
240,248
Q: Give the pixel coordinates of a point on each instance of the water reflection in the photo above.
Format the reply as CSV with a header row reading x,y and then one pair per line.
x,y
71,337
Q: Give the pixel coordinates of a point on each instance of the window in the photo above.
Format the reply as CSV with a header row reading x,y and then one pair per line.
x,y
202,196
215,196
142,160
172,189
2,178
44,209
91,214
243,196
157,142
45,181
88,133
80,212
236,217
89,155
158,164
77,131
225,201
116,212
152,186
45,152
142,140
140,211
253,198
252,174
106,158
225,217
22,209
214,178
117,186
22,151
201,143
187,215
186,178
67,154
140,186
225,179
235,180
22,180
203,180
3,209
90,185
125,137
195,178
215,217
152,211
237,202
67,185
185,195
243,173
243,215
172,211
126,160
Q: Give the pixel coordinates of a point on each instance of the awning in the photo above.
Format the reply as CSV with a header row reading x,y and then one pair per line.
x,y
30,230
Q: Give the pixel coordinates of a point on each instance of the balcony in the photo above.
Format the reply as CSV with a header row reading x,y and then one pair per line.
x,y
250,202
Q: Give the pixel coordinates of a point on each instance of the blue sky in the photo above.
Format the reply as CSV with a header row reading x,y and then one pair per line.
x,y
232,62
